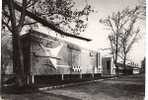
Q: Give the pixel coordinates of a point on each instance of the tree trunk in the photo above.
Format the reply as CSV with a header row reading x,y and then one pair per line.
x,y
117,68
18,65
116,56
124,62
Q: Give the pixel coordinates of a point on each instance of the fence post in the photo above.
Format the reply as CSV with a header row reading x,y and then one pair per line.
x,y
80,75
28,79
32,79
92,75
62,77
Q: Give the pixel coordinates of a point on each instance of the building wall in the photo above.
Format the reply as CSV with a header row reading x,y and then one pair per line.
x,y
105,54
68,53
61,57
39,63
71,61
88,62
99,61
63,54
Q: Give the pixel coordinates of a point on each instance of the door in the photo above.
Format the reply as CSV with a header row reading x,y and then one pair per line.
x,y
108,65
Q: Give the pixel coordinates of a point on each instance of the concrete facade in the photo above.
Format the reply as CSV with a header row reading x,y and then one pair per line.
x,y
47,55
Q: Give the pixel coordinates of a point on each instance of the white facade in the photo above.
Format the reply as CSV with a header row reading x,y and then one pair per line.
x,y
105,55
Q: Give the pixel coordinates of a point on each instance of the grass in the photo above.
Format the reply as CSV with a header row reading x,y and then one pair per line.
x,y
124,88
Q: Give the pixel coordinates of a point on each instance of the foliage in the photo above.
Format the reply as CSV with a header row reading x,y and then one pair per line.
x,y
62,14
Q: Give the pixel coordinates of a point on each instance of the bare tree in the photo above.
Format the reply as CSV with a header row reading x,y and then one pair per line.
x,y
50,11
123,34
127,39
143,64
115,24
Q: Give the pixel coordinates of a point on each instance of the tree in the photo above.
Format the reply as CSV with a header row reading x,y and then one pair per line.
x,y
143,65
15,28
115,25
128,38
61,14
6,50
57,12
123,33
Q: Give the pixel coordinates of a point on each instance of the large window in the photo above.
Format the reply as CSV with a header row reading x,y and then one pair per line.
x,y
74,59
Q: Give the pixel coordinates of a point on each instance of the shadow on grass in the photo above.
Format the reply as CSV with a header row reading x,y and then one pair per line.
x,y
126,86
30,93
19,90
118,90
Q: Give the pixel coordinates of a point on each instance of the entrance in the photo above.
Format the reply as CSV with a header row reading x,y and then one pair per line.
x,y
106,64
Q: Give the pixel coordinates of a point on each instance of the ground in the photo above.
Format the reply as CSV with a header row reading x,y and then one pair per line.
x,y
123,88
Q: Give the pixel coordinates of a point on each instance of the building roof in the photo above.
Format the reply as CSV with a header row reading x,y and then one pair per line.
x,y
48,38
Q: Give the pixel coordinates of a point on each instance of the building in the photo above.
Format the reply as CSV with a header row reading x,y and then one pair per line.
x,y
106,62
50,55
45,55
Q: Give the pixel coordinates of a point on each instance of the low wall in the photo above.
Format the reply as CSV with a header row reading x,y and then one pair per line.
x,y
64,78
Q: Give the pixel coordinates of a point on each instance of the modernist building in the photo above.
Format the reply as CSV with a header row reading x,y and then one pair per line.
x,y
107,65
48,55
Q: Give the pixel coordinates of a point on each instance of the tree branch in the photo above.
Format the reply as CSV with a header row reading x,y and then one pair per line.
x,y
132,42
111,26
22,18
9,28
120,56
29,4
29,23
12,13
46,23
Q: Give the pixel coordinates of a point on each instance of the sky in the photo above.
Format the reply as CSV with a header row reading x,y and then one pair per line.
x,y
97,32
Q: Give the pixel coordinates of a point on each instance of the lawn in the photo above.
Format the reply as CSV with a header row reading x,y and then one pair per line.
x,y
124,88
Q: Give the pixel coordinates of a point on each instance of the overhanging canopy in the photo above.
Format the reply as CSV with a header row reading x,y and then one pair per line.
x,y
46,23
